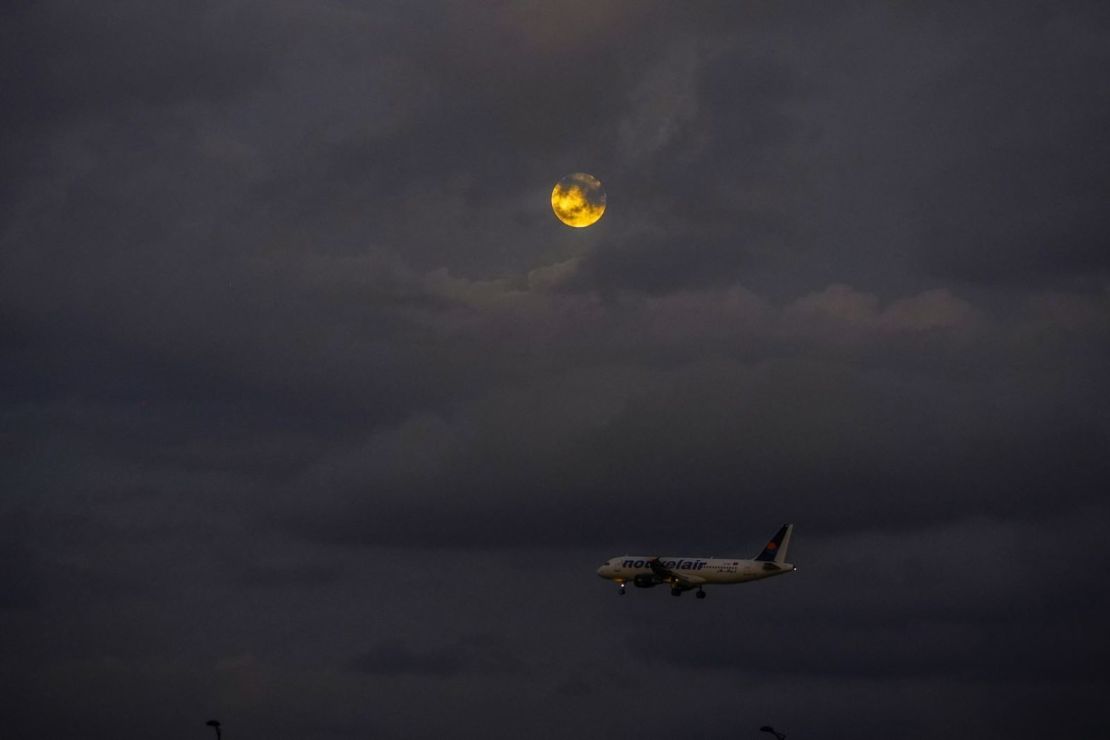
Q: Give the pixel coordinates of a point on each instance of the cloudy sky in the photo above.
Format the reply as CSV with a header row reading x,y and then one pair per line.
x,y
317,421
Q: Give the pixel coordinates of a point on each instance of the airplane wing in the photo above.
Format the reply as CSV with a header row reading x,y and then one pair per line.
x,y
676,577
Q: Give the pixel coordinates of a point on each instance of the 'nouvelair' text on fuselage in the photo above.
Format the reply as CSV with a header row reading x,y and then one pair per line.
x,y
672,564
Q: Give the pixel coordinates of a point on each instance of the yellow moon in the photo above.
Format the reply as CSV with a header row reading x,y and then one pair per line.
x,y
578,200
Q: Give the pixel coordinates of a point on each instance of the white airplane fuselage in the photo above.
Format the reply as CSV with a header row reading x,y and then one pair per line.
x,y
625,568
685,574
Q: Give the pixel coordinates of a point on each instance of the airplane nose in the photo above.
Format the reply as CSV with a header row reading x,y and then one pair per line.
x,y
601,570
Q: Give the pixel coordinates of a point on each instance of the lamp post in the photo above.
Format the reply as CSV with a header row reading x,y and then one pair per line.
x,y
215,725
778,735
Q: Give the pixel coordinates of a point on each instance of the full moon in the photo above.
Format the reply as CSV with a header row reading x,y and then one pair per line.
x,y
578,200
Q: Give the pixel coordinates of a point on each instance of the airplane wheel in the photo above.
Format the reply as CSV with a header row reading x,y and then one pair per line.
x,y
700,594
620,591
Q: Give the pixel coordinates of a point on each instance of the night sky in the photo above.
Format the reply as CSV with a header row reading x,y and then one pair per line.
x,y
316,421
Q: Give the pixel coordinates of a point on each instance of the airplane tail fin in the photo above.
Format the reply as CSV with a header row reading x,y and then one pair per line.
x,y
775,551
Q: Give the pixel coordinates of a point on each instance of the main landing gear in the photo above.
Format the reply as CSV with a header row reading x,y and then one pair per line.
x,y
700,594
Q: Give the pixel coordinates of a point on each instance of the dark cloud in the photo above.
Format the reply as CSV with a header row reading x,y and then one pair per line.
x,y
300,575
1018,190
20,586
481,654
899,613
314,417
397,660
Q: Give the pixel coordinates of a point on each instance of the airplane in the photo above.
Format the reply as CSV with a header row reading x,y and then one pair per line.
x,y
686,574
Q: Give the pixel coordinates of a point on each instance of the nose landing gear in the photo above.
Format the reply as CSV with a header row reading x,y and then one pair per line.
x,y
620,590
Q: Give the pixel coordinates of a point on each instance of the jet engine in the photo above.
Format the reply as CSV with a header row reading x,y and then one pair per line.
x,y
645,580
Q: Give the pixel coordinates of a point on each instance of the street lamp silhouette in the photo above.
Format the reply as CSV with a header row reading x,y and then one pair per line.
x,y
215,725
768,728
